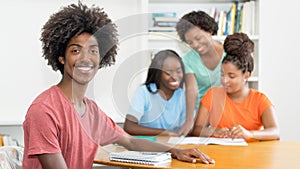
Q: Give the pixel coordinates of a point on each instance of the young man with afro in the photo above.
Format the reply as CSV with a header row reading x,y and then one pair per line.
x,y
63,128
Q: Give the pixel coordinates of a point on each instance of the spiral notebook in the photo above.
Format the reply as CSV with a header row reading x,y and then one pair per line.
x,y
141,157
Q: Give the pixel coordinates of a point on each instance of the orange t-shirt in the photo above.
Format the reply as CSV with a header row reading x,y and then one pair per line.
x,y
225,113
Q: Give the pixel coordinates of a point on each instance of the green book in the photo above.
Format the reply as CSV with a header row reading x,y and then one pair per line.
x,y
150,138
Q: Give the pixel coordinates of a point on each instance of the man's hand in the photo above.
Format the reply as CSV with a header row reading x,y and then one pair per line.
x,y
191,155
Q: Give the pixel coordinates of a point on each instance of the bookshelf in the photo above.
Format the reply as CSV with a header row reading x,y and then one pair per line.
x,y
166,37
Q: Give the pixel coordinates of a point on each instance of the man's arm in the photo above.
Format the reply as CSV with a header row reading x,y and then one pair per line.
x,y
52,161
189,155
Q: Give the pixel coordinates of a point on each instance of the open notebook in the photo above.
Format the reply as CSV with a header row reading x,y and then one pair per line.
x,y
207,140
141,157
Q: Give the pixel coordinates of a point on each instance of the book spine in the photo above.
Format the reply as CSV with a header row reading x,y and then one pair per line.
x,y
1,140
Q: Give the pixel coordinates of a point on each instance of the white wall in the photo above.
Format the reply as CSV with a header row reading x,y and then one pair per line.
x,y
24,72
279,53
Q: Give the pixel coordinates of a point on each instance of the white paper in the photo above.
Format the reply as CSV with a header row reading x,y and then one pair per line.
x,y
208,140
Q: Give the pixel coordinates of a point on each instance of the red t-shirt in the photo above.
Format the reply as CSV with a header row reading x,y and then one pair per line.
x,y
226,113
52,125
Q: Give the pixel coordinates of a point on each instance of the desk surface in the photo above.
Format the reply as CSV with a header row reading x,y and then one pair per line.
x,y
262,155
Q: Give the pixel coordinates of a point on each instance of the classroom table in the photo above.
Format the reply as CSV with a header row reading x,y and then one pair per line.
x,y
257,155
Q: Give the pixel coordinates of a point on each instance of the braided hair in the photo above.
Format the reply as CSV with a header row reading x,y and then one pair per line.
x,y
238,48
72,21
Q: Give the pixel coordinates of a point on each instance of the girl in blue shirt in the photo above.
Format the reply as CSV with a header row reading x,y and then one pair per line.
x,y
158,106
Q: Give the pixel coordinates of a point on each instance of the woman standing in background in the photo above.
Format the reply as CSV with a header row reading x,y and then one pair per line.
x,y
202,63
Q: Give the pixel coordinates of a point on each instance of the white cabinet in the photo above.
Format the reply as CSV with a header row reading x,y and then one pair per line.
x,y
163,38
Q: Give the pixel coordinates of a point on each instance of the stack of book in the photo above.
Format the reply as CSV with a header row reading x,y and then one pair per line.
x,y
141,157
163,22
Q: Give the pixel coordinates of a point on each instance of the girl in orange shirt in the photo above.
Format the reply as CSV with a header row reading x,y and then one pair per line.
x,y
235,110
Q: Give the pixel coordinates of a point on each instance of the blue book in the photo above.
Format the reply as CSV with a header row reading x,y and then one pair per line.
x,y
163,14
150,138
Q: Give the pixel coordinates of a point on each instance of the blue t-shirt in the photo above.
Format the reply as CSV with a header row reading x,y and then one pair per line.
x,y
151,110
205,77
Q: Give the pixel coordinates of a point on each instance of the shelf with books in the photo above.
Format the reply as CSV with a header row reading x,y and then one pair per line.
x,y
166,37
231,16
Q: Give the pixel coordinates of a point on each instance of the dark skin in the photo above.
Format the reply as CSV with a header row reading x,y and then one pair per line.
x,y
172,73
132,127
81,63
234,81
210,52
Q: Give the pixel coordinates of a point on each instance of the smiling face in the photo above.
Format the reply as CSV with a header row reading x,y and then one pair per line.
x,y
82,58
198,39
171,74
232,78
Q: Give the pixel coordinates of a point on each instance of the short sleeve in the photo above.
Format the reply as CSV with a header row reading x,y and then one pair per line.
x,y
100,127
110,131
214,100
42,131
187,65
138,103
264,104
206,100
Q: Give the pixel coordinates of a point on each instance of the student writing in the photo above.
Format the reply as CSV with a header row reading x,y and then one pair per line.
x,y
235,110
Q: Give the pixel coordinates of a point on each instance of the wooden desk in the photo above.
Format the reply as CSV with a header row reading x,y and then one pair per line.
x,y
257,155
